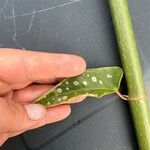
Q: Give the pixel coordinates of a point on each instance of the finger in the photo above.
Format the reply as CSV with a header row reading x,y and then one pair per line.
x,y
26,117
14,117
51,80
8,95
30,93
4,87
54,114
27,66
16,133
3,138
19,85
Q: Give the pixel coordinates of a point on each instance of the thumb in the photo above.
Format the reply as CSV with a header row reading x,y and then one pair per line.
x,y
16,117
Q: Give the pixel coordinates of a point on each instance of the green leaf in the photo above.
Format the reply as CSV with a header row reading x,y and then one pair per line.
x,y
95,82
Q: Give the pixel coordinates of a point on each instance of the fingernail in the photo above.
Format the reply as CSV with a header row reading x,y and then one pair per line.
x,y
35,111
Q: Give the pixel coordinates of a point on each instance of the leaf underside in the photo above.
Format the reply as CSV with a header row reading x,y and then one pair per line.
x,y
95,82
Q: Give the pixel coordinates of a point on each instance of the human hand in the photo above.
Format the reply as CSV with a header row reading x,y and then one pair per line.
x,y
24,76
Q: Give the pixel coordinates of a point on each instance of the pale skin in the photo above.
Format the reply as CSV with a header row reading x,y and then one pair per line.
x,y
24,76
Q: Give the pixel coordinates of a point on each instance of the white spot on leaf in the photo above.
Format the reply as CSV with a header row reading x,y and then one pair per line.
x,y
84,82
67,82
48,103
67,88
87,75
65,97
94,79
59,99
100,81
44,96
59,90
75,83
109,76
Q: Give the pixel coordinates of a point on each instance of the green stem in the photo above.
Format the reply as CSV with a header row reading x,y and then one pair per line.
x,y
130,60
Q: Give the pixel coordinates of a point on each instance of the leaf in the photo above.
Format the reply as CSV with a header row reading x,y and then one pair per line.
x,y
95,82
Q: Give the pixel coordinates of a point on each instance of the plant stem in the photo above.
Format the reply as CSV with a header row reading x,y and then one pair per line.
x,y
130,60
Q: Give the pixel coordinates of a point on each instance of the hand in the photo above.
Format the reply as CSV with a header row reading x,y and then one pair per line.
x,y
24,76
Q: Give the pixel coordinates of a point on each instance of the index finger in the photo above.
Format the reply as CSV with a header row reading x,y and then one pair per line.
x,y
18,66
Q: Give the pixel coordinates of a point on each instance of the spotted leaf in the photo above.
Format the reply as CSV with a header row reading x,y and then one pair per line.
x,y
95,82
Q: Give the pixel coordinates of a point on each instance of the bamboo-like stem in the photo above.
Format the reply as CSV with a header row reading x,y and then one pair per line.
x,y
131,65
